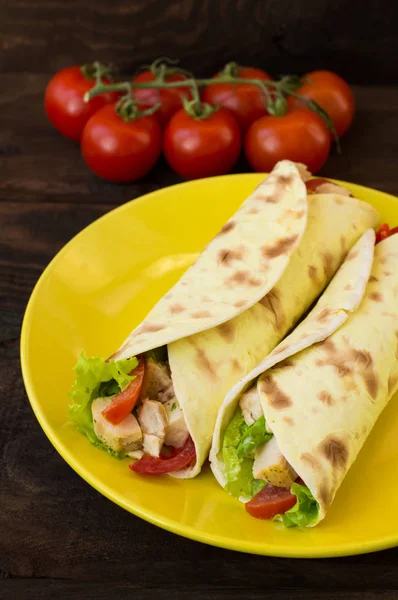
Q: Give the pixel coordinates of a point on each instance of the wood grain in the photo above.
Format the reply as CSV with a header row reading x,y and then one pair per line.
x,y
48,589
282,36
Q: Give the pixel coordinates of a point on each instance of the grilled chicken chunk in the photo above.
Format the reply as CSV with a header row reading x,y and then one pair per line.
x,y
153,419
152,444
157,384
271,465
250,406
176,431
126,436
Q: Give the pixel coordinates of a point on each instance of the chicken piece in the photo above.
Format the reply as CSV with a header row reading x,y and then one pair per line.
x,y
177,430
152,417
152,444
271,465
157,384
137,454
250,406
126,436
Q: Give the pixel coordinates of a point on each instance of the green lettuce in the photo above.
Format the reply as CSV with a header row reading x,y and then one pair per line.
x,y
253,436
94,378
304,512
239,443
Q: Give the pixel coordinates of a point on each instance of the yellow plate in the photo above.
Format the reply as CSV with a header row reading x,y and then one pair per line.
x,y
96,290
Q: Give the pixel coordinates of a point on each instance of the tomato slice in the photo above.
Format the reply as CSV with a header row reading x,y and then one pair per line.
x,y
313,184
123,403
270,501
180,458
384,232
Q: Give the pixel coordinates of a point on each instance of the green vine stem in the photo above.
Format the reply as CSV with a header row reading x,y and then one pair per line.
x,y
95,71
276,102
128,110
165,66
125,86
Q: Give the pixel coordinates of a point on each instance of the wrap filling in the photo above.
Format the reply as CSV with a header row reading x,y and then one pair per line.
x,y
128,407
256,468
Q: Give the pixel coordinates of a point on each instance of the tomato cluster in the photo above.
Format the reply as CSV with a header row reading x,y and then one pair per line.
x,y
124,150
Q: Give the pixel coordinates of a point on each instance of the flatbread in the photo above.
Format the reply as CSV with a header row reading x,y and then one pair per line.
x,y
322,403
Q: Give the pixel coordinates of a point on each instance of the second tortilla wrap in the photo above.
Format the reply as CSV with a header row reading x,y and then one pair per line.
x,y
323,388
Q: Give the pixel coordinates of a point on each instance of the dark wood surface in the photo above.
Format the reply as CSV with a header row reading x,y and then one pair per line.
x,y
357,39
58,537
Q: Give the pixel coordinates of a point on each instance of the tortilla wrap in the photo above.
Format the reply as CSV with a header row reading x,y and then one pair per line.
x,y
341,371
246,291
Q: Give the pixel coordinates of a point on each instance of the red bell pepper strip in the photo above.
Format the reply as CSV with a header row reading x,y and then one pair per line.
x,y
123,403
180,458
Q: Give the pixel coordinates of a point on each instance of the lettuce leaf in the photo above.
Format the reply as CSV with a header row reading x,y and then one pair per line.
x,y
304,512
94,378
254,436
239,444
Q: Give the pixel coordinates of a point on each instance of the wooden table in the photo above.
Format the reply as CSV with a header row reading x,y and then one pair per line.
x,y
59,537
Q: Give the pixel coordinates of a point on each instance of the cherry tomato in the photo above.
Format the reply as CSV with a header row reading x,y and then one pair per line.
x,y
121,151
151,465
245,100
170,99
122,404
64,104
270,501
202,147
332,93
300,136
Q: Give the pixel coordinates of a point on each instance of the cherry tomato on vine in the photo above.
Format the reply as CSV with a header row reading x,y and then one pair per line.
x,y
119,150
170,99
245,100
64,104
202,147
332,93
300,136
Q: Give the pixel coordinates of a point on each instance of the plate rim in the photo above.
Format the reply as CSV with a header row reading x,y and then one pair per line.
x,y
186,531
